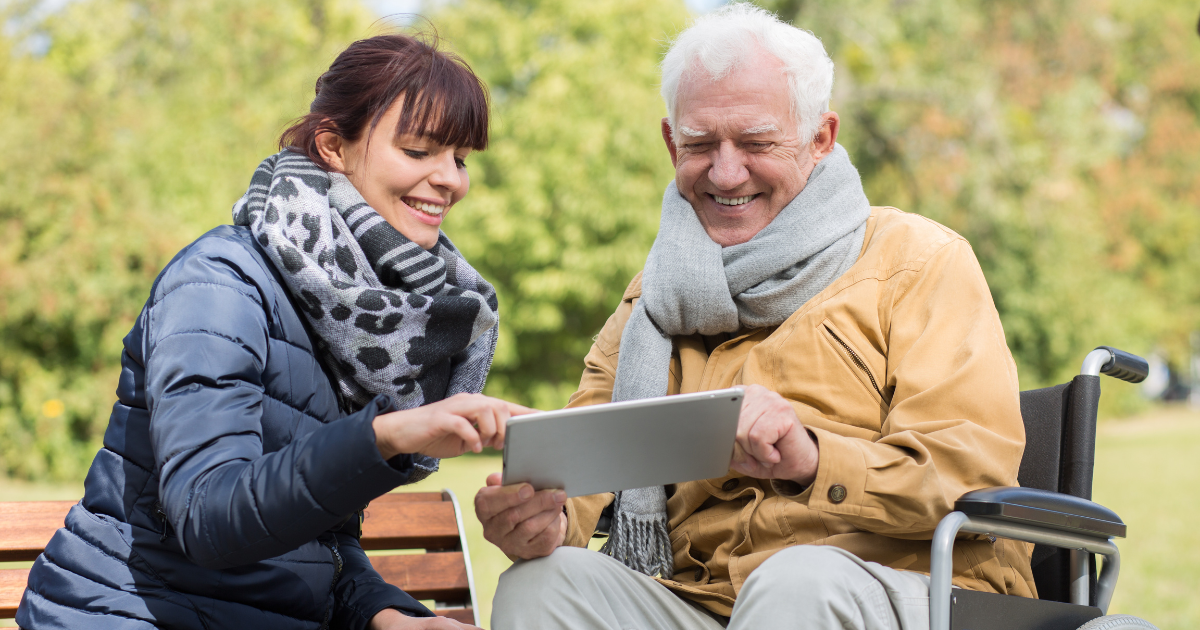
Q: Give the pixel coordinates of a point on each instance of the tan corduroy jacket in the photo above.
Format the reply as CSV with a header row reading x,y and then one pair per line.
x,y
900,370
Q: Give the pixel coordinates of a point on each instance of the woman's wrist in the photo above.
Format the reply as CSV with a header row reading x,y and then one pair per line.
x,y
388,618
386,449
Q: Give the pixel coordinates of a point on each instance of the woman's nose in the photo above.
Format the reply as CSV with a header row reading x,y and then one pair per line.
x,y
728,170
445,173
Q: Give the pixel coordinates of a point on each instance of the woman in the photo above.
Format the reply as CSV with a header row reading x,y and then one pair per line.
x,y
328,347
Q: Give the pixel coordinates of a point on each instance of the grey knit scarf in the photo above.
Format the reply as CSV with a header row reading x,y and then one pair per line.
x,y
692,285
388,316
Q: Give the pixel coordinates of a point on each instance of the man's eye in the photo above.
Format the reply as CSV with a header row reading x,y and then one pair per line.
x,y
415,154
698,146
460,162
759,146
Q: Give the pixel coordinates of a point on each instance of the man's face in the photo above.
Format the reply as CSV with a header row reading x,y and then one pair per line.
x,y
737,151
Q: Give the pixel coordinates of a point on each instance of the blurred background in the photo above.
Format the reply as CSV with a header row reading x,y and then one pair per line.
x,y
1060,137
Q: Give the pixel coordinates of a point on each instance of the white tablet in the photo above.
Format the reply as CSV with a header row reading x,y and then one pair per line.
x,y
618,446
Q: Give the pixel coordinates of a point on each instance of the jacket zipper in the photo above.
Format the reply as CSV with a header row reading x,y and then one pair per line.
x,y
857,362
337,573
161,515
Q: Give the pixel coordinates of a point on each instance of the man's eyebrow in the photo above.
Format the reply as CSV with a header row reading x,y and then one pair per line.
x,y
688,131
760,129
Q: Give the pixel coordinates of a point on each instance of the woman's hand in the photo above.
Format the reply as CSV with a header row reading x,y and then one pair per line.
x,y
447,428
392,619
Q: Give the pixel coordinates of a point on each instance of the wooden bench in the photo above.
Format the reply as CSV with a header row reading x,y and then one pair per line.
x,y
428,521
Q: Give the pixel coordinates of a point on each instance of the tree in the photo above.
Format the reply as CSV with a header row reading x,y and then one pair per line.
x,y
565,203
1059,137
131,136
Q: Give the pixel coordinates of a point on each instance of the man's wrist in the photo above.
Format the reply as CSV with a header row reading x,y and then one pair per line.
x,y
809,474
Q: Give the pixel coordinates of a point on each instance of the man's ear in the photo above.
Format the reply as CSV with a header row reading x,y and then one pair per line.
x,y
332,149
666,133
826,137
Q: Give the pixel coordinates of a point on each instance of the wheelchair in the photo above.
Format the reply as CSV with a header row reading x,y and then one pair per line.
x,y
1052,508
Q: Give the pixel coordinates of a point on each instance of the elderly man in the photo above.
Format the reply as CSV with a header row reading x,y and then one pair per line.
x,y
878,384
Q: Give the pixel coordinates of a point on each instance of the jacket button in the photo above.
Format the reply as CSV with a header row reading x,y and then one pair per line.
x,y
730,485
699,574
837,493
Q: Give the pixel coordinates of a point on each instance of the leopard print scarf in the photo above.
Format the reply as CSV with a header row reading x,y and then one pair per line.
x,y
387,316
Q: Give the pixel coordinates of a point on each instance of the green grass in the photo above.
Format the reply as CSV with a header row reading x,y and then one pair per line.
x,y
1147,470
464,476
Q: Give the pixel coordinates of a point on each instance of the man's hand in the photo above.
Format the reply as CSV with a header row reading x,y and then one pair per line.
x,y
522,523
392,619
771,442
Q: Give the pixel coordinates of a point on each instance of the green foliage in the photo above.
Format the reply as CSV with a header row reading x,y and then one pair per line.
x,y
132,136
565,202
1060,138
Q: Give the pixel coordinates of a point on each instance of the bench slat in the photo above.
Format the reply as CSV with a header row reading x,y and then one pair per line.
x,y
394,521
410,525
12,585
461,615
409,520
440,576
410,497
26,527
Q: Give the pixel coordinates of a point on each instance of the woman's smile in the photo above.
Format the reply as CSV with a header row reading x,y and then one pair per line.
x,y
425,211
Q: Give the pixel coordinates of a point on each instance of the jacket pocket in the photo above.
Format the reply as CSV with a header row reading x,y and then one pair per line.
x,y
853,359
687,567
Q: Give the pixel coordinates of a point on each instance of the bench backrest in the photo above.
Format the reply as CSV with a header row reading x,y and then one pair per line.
x,y
429,521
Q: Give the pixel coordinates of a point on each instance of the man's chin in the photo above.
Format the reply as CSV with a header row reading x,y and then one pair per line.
x,y
726,230
729,236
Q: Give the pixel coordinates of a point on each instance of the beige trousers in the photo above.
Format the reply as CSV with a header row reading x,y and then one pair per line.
x,y
803,587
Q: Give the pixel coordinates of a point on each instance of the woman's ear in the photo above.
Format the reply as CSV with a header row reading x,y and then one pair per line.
x,y
332,149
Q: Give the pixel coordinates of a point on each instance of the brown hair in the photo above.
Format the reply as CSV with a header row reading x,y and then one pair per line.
x,y
441,98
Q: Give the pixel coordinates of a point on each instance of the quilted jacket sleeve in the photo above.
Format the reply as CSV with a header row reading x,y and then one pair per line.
x,y
362,593
228,502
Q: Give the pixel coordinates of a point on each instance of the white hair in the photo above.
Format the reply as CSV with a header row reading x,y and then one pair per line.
x,y
723,41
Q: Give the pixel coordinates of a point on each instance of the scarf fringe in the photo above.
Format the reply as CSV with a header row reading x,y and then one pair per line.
x,y
641,542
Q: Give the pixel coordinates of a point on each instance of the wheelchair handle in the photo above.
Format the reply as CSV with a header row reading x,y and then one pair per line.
x,y
1116,363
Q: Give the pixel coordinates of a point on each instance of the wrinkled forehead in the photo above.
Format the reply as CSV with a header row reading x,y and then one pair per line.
x,y
750,95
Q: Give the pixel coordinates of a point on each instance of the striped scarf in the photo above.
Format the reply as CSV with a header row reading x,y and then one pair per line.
x,y
387,316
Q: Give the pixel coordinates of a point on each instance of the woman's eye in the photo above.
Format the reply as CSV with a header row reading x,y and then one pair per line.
x,y
415,154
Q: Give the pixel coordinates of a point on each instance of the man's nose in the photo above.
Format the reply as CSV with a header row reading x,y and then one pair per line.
x,y
728,170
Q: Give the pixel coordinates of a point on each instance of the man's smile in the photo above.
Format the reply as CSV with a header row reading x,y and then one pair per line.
x,y
733,201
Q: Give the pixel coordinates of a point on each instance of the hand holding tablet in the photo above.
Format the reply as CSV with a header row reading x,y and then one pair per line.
x,y
618,446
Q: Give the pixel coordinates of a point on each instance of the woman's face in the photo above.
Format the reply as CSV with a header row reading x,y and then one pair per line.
x,y
411,181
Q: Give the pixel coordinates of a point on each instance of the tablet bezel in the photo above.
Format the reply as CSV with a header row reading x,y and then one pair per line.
x,y
608,447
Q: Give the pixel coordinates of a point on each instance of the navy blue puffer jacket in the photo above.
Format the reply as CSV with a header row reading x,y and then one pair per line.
x,y
226,474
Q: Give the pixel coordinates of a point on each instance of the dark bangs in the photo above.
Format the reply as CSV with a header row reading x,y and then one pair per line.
x,y
446,103
441,98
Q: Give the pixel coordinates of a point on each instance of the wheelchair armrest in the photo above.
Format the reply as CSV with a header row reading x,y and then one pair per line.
x,y
1031,515
1030,506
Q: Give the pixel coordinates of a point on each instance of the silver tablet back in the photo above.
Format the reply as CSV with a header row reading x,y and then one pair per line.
x,y
618,446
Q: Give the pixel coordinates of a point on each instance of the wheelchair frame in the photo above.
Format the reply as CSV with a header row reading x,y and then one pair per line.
x,y
1041,517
